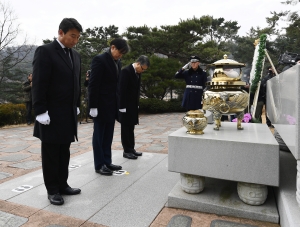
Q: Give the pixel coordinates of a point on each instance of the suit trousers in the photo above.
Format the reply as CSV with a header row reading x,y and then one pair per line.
x,y
55,162
28,111
102,140
127,137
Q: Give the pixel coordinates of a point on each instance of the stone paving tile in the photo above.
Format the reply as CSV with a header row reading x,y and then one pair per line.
x,y
24,211
14,149
143,140
46,218
140,131
7,206
137,146
55,226
159,137
117,139
145,135
35,150
155,148
10,220
218,223
27,165
14,157
73,151
31,139
140,126
4,175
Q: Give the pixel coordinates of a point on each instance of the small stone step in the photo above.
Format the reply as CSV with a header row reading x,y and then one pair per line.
x,y
180,221
222,223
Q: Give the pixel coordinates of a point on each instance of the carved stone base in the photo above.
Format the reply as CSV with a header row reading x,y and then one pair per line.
x,y
191,183
252,194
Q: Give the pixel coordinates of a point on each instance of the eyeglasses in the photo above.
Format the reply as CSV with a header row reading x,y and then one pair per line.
x,y
142,68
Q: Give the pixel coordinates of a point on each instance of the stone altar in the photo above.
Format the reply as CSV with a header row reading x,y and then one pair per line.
x,y
250,157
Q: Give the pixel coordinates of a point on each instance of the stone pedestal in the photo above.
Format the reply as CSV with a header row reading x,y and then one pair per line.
x,y
192,184
252,194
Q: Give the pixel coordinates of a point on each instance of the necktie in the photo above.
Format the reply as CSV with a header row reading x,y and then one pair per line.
x,y
67,50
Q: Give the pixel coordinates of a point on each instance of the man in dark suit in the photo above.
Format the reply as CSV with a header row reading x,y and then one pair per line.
x,y
56,98
105,70
129,96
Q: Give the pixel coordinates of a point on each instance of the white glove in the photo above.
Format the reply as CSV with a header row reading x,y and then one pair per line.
x,y
43,118
186,66
78,111
94,112
123,110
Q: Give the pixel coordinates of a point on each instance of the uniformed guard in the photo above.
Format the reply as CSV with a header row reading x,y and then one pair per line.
x,y
195,79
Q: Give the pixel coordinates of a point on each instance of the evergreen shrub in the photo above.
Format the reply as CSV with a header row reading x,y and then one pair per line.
x,y
12,114
152,105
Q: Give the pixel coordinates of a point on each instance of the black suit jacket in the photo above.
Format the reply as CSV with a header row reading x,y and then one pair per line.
x,y
129,95
103,86
56,89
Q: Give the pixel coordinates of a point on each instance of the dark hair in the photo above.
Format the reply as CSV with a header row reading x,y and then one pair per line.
x,y
143,60
120,44
69,23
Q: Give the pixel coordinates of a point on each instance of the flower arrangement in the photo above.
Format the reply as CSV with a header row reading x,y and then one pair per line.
x,y
259,63
247,118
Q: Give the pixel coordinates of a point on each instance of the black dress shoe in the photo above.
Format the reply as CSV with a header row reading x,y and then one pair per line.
x,y
56,199
104,171
114,167
70,191
137,153
129,155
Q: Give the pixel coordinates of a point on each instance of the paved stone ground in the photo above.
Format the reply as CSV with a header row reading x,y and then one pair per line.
x,y
20,154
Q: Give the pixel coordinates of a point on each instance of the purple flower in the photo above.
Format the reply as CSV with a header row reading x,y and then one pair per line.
x,y
291,120
246,119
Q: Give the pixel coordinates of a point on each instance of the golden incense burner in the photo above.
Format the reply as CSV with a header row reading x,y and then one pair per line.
x,y
195,122
225,95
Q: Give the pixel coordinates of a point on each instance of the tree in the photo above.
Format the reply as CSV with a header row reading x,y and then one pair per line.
x,y
10,55
158,81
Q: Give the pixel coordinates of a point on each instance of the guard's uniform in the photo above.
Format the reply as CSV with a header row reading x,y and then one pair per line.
x,y
195,84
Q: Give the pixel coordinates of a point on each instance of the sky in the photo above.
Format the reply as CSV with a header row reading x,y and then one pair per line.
x,y
39,19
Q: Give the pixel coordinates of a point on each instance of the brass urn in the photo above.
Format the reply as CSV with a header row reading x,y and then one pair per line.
x,y
195,122
225,96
